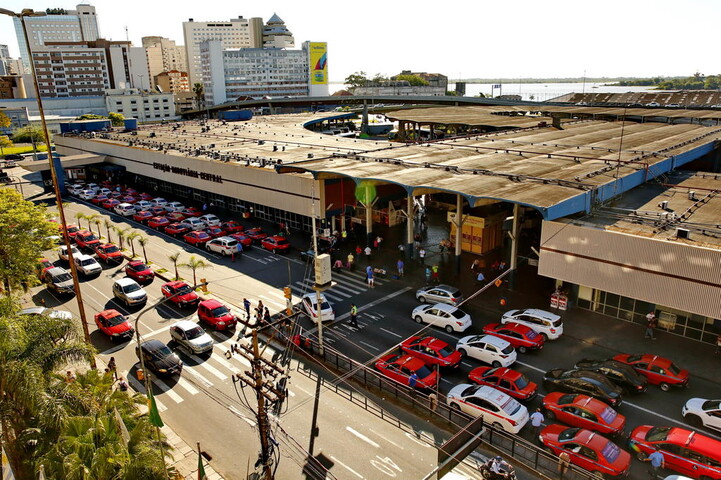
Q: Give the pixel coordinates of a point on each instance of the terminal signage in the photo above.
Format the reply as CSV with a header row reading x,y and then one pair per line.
x,y
188,172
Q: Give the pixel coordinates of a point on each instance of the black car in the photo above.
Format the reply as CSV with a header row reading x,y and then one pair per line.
x,y
159,358
617,372
582,381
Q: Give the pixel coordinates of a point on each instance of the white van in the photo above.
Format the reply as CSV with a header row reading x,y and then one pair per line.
x,y
125,209
546,323
496,407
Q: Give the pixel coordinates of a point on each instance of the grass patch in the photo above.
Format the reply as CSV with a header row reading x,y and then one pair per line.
x,y
21,149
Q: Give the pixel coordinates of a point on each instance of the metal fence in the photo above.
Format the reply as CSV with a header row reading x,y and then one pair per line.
x,y
435,409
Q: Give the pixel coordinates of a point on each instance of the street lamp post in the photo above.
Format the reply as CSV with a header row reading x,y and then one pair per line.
x,y
53,174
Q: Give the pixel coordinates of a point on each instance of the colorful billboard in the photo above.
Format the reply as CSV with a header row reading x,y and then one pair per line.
x,y
318,63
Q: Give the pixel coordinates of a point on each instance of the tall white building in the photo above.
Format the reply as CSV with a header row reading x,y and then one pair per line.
x,y
80,25
163,56
236,33
276,34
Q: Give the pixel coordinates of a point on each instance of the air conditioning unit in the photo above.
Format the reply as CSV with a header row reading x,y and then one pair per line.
x,y
692,195
682,233
663,205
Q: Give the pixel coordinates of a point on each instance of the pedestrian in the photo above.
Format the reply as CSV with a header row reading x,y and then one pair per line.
x,y
343,235
412,382
428,275
480,278
537,420
351,259
433,401
650,325
113,367
400,264
369,276
368,252
564,461
375,243
358,250
69,377
422,255
353,315
266,316
401,248
379,241
434,274
246,305
718,345
122,385
657,462
475,267
205,207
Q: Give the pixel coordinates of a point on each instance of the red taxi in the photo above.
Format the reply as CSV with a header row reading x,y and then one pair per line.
x,y
216,315
158,222
400,368
176,229
109,253
231,226
72,230
114,324
142,216
522,337
585,412
197,238
658,370
244,240
507,380
175,216
111,203
215,232
180,293
275,244
256,234
192,212
139,271
587,449
432,351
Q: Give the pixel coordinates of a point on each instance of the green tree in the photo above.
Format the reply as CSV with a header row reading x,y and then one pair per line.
x,y
143,241
93,218
117,119
131,240
32,133
174,258
194,264
81,216
122,233
414,80
4,120
24,232
199,92
90,116
379,78
357,79
97,220
32,348
4,143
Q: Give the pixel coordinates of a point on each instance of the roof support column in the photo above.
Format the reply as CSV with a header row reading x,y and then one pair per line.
x,y
410,226
458,222
514,243
364,119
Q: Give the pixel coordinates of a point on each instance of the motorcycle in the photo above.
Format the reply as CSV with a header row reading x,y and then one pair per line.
x,y
508,472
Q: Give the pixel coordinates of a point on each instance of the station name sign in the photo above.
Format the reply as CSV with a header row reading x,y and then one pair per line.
x,y
188,172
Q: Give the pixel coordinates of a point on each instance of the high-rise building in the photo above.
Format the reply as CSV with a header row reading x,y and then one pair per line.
x,y
71,70
164,56
172,81
80,25
276,34
4,60
236,33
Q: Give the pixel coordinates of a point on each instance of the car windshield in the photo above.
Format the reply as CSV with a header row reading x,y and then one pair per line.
x,y
458,313
162,352
566,399
511,406
608,415
87,261
568,434
63,277
183,289
610,452
657,434
324,306
89,238
131,287
194,332
470,390
445,352
220,311
508,350
139,268
111,249
556,323
711,405
117,320
423,372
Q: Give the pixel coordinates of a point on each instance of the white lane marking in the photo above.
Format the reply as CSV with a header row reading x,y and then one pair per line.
x,y
209,368
391,333
469,365
363,437
276,294
446,381
528,365
199,377
344,287
273,301
237,412
167,390
183,383
139,387
369,345
346,467
220,358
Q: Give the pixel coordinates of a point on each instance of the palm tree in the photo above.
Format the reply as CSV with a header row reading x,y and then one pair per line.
x,y
143,241
91,219
97,221
108,226
80,216
132,236
194,264
174,258
122,232
199,92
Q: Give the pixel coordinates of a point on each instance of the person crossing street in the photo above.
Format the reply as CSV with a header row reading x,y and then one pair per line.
x,y
354,316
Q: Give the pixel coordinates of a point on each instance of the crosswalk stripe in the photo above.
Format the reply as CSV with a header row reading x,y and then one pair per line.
x,y
273,301
335,292
166,390
211,369
185,384
220,358
345,287
276,293
199,377
356,281
330,296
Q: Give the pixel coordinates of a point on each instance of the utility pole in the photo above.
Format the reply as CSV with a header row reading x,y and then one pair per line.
x,y
265,391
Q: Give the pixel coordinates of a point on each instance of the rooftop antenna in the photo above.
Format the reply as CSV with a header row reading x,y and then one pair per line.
x,y
127,37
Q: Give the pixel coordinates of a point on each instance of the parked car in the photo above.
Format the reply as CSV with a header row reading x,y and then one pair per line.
x,y
194,224
701,412
157,211
72,230
139,271
215,232
129,292
86,240
109,253
129,199
256,234
496,408
87,194
99,199
198,239
59,281
174,207
142,205
442,315
43,266
210,220
658,370
159,202
232,226
547,324
582,381
142,216
175,216
63,252
684,451
522,337
439,294
216,315
46,312
87,265
192,212
275,244
177,229
111,203
180,293
508,381
432,351
224,245
124,209
158,223
159,358
310,306
243,239
115,325
400,368
617,372
192,337
488,349
583,411
587,449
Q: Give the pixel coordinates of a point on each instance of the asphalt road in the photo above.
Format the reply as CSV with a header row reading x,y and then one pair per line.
x,y
204,405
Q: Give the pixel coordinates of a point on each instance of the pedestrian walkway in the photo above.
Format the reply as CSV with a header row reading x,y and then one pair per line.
x,y
346,284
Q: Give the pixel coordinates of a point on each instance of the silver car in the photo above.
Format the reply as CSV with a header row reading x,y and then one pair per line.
x,y
192,337
128,290
439,294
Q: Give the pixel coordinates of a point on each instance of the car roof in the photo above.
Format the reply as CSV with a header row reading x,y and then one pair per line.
x,y
175,283
125,281
136,262
56,271
493,340
33,311
110,311
82,256
537,312
491,394
152,344
445,307
311,295
504,372
211,303
185,325
412,363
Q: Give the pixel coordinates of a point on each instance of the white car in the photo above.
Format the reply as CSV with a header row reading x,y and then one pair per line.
x,y
451,318
87,265
124,209
439,294
87,194
703,412
93,186
63,252
310,305
546,323
49,312
129,292
174,207
76,188
210,220
192,337
159,202
194,223
104,191
488,349
224,246
142,205
496,408
653,104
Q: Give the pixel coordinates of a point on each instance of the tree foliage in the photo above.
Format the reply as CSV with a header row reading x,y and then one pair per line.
x,y
24,232
90,116
414,80
117,119
32,133
357,79
4,120
697,81
194,263
5,141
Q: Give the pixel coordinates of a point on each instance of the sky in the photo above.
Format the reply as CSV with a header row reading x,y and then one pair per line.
x,y
460,39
